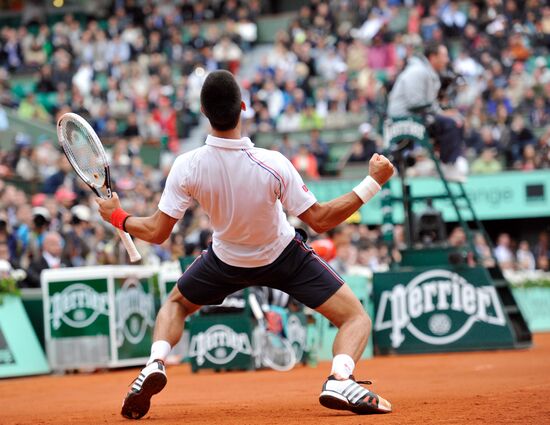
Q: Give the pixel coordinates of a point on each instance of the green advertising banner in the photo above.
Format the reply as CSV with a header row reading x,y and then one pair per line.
x,y
135,316
20,351
100,316
78,308
512,194
221,342
443,309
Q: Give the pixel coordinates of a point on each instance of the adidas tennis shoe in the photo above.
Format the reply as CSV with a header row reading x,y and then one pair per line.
x,y
349,395
150,381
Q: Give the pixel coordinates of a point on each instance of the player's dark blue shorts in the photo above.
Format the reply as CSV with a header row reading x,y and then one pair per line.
x,y
298,271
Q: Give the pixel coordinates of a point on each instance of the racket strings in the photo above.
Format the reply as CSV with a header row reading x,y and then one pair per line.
x,y
82,152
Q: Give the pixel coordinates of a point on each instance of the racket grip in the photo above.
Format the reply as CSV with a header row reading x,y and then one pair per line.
x,y
129,245
255,307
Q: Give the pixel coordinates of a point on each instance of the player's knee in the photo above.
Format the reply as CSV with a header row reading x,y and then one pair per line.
x,y
366,321
360,320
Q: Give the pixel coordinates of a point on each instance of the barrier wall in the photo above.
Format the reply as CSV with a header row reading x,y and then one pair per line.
x,y
103,317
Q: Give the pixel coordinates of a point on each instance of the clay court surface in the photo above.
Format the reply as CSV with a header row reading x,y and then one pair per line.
x,y
460,388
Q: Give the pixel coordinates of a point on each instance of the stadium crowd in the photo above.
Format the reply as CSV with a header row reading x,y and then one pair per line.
x,y
136,76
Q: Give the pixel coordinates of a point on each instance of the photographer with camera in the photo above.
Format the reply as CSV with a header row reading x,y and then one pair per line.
x,y
416,91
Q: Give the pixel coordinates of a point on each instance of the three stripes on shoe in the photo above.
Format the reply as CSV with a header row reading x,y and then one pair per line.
x,y
138,382
354,392
145,372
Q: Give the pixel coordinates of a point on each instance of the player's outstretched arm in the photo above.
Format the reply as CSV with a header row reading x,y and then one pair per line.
x,y
154,229
325,216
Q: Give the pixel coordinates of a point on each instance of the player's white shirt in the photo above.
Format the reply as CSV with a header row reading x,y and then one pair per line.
x,y
243,190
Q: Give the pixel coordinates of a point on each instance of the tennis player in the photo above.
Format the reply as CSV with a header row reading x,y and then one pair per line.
x,y
244,190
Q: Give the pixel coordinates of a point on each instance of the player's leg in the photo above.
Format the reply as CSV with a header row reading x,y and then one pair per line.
x,y
344,311
206,281
301,273
152,378
169,324
340,390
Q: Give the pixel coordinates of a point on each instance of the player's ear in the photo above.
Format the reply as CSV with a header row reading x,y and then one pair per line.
x,y
243,106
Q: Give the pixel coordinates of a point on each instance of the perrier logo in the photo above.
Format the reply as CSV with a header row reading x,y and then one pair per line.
x,y
78,306
402,128
437,307
219,344
135,312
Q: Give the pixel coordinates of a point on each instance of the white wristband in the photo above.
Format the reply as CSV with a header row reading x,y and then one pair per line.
x,y
367,189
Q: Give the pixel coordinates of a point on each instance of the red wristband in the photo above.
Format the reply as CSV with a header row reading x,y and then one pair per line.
x,y
117,218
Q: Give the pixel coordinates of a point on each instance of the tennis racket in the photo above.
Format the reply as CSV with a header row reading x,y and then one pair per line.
x,y
273,350
87,156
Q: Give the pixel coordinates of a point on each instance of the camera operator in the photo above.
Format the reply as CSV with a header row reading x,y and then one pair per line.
x,y
416,90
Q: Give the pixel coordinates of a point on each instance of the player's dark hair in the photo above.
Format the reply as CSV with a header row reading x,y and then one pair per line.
x,y
431,48
221,100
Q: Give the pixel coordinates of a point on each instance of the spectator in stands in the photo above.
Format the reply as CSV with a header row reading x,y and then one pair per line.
x,y
11,55
457,237
336,116
416,89
45,83
381,56
540,114
306,164
264,122
364,148
486,163
542,252
319,148
453,20
287,147
483,250
520,136
165,116
525,258
7,238
228,54
528,162
78,236
310,119
503,252
5,255
34,54
289,120
29,109
543,150
488,141
50,259
346,257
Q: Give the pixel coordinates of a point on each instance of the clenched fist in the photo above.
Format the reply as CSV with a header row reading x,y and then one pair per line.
x,y
380,168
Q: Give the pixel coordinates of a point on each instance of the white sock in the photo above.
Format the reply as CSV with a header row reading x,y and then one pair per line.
x,y
159,351
342,366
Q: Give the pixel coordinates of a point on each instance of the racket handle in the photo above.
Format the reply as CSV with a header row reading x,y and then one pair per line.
x,y
255,307
129,245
